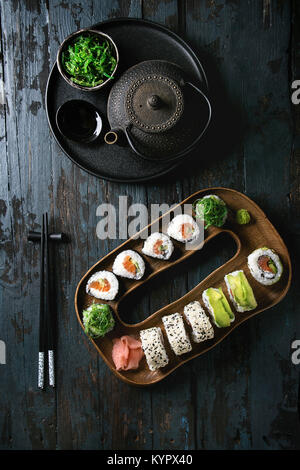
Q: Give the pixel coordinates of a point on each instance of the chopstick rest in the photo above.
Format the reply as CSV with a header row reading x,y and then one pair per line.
x,y
53,237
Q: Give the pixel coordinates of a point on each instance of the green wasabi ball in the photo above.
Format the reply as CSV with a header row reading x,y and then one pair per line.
x,y
243,217
98,320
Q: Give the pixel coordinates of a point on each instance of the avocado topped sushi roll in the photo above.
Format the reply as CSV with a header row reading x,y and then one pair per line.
x,y
212,210
240,291
129,264
218,307
198,321
265,266
103,285
158,245
177,336
183,228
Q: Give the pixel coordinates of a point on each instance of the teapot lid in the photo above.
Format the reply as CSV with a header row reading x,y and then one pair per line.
x,y
154,103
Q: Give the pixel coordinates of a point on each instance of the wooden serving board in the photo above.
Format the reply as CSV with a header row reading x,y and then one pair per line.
x,y
260,232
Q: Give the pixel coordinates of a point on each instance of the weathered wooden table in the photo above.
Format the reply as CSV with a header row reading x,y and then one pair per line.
x,y
242,394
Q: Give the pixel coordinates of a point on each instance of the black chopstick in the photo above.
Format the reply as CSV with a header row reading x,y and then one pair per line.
x,y
42,325
49,318
46,323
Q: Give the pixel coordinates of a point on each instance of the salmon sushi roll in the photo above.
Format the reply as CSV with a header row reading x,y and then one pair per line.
x,y
129,264
103,285
265,266
183,228
158,245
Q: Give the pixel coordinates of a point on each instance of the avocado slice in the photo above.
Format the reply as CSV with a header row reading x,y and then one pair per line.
x,y
222,312
241,290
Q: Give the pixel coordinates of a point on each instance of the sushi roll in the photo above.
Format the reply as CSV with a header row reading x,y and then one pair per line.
x,y
265,266
129,264
158,245
240,291
153,347
183,228
103,285
199,322
177,336
218,306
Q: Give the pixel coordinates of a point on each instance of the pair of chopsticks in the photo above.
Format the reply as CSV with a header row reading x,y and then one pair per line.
x,y
46,326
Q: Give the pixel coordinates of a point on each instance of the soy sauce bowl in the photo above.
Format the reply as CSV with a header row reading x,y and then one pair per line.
x,y
79,120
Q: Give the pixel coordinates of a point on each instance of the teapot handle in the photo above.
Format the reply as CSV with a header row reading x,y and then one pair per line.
x,y
187,149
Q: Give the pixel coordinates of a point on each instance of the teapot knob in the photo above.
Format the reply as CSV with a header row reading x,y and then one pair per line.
x,y
155,102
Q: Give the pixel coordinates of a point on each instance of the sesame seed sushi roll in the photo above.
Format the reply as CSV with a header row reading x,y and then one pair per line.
x,y
183,228
103,285
199,322
153,347
218,307
240,291
265,266
177,336
158,245
129,264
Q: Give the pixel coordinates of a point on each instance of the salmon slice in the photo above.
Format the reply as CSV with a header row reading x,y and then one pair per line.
x,y
102,285
129,265
157,247
186,230
263,263
127,353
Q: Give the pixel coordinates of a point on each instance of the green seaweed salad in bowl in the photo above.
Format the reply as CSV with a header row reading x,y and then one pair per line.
x,y
88,59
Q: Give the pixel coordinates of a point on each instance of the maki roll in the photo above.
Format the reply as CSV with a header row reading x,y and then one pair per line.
x,y
158,245
103,285
218,307
265,266
98,320
183,228
198,321
240,291
177,336
212,210
153,347
129,264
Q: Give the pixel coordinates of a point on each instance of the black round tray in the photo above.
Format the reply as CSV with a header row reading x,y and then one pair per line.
x,y
137,40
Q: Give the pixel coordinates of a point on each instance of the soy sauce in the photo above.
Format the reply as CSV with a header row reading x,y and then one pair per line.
x,y
79,120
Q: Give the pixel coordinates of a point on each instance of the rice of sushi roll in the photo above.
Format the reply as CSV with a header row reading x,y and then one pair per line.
x,y
158,245
153,347
265,266
183,228
129,264
177,336
240,291
195,316
103,285
218,306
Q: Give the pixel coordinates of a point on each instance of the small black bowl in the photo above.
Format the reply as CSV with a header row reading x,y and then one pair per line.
x,y
64,45
79,120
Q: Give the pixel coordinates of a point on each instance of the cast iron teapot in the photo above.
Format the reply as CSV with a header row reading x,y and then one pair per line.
x,y
161,113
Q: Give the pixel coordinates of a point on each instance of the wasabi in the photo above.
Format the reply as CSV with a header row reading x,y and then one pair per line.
x,y
243,217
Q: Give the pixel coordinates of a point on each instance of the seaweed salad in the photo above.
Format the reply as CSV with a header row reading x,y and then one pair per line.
x,y
89,60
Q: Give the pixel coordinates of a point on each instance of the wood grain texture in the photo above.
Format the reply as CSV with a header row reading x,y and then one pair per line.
x,y
232,397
